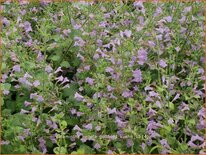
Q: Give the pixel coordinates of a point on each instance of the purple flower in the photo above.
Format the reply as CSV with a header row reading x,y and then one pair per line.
x,y
187,9
27,103
109,70
153,134
79,114
151,43
164,143
66,32
177,49
96,56
16,68
6,92
36,83
142,56
198,139
90,81
42,144
48,69
153,125
158,104
137,74
111,111
78,97
5,21
40,98
21,138
88,126
139,5
151,112
59,69
97,146
40,56
76,127
162,63
109,88
176,97
60,78
24,81
170,121
27,26
5,142
130,143
153,94
143,146
73,111
168,19
87,68
110,152
183,107
53,138
79,41
119,122
128,33
127,94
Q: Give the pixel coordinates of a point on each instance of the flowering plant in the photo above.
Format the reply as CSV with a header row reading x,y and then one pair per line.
x,y
102,77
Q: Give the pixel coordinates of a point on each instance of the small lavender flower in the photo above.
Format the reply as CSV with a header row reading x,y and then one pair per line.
x,y
59,69
5,142
16,68
97,146
126,94
40,98
88,126
26,103
168,19
170,121
27,27
66,32
162,63
53,138
48,69
111,111
130,143
36,83
142,56
90,81
6,92
137,74
5,21
42,144
78,97
109,70
21,138
79,41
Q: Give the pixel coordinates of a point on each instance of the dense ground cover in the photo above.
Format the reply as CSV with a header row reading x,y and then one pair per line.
x,y
103,77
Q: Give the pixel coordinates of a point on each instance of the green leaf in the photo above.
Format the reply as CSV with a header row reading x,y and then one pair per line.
x,y
55,58
6,86
65,64
63,125
171,106
60,150
85,149
3,66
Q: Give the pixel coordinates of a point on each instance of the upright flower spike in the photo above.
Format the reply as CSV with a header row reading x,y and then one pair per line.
x,y
142,56
137,74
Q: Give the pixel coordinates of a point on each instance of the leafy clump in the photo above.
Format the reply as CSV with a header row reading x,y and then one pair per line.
x,y
102,77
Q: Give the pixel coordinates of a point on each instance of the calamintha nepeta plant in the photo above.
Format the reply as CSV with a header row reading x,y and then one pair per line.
x,y
103,77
